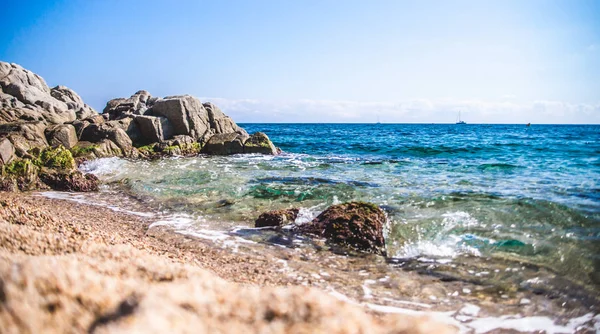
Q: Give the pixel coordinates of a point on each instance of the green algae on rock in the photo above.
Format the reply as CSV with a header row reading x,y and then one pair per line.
x,y
46,168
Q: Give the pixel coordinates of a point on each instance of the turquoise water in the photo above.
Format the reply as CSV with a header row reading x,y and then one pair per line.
x,y
457,193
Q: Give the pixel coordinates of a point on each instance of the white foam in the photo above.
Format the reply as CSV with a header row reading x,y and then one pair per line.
x,y
103,166
466,319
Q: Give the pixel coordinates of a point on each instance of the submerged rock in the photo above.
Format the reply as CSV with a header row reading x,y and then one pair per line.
x,y
277,218
357,225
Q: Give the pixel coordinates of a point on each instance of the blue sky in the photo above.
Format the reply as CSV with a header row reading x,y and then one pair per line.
x,y
498,61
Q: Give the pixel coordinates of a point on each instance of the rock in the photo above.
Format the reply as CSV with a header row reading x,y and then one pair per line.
x,y
97,132
131,129
73,101
259,142
219,122
153,129
225,144
24,135
106,148
276,218
7,151
356,225
69,180
63,134
138,104
28,91
186,114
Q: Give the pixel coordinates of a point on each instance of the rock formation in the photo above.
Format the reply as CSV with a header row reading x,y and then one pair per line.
x,y
35,116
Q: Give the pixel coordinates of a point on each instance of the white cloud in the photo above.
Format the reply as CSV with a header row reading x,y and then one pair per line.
x,y
409,111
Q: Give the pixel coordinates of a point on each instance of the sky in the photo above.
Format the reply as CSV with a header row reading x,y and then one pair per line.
x,y
502,61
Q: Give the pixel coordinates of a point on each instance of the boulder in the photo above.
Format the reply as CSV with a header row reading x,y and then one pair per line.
x,y
225,144
276,218
131,128
31,91
357,225
7,151
186,114
138,104
24,135
97,132
153,129
259,142
73,101
63,134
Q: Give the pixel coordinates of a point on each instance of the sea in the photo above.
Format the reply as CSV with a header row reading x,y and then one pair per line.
x,y
490,227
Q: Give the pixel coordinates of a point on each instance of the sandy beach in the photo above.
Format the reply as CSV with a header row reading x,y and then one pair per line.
x,y
70,267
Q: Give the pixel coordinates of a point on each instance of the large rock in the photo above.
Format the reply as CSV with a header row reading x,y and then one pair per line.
x,y
276,218
63,134
225,144
138,104
186,114
219,122
98,132
24,90
259,142
7,151
356,225
73,101
25,135
153,129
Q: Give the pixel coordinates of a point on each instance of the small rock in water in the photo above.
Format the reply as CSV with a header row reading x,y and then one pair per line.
x,y
277,218
356,225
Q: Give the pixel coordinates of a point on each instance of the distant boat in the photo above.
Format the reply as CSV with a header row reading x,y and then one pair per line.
x,y
528,124
459,121
378,122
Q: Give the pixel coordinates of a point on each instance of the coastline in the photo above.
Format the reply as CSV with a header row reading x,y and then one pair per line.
x,y
67,266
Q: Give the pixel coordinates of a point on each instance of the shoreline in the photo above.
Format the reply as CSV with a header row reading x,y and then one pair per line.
x,y
67,266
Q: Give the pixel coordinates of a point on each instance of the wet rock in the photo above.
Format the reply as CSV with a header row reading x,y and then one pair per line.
x,y
69,180
7,151
357,225
225,144
276,218
63,134
259,142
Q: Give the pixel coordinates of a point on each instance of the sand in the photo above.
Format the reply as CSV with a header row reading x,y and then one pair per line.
x,y
70,267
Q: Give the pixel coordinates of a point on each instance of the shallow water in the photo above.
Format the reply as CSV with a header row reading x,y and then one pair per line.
x,y
510,211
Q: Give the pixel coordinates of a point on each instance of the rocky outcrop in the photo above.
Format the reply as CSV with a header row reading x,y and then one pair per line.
x,y
276,218
158,120
357,225
25,95
35,116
